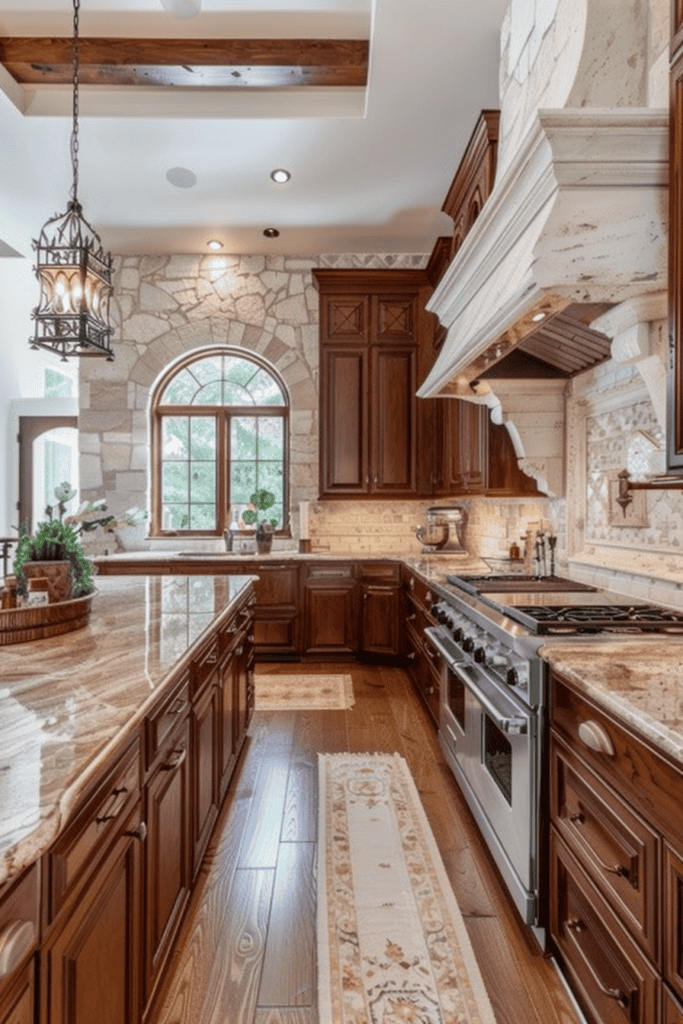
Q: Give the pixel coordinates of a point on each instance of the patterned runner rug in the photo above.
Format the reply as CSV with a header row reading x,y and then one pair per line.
x,y
303,693
392,943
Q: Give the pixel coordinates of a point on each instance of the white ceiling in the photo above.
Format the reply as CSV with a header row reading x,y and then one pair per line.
x,y
370,167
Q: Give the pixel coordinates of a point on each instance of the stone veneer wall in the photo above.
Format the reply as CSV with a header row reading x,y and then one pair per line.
x,y
165,306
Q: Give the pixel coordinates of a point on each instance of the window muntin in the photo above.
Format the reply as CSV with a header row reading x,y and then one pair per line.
x,y
220,429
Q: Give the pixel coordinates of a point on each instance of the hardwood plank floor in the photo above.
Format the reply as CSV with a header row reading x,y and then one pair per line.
x,y
246,952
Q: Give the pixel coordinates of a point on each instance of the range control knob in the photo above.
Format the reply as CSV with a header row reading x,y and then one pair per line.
x,y
468,644
512,677
480,655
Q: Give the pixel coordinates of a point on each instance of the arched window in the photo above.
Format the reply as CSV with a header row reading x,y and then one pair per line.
x,y
220,432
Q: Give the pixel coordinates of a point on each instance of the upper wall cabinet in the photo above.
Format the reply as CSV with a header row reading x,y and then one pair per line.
x,y
371,326
474,178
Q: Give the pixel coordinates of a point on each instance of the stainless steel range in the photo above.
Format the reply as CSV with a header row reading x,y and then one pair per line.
x,y
493,712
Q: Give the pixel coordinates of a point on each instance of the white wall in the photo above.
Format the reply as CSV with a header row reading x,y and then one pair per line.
x,y
21,373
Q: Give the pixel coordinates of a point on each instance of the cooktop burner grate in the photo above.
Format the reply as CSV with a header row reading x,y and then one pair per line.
x,y
573,619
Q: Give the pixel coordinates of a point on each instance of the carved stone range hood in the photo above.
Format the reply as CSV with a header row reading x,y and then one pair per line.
x,y
576,221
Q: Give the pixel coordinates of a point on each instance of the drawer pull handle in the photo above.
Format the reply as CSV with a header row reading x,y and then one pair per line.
x,y
412,656
240,650
621,872
115,806
212,658
575,927
174,761
596,738
411,618
179,706
16,939
140,832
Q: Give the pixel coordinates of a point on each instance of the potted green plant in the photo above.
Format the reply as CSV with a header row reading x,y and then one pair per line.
x,y
262,500
55,551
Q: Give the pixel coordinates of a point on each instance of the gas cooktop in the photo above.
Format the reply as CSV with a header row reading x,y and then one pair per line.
x,y
558,620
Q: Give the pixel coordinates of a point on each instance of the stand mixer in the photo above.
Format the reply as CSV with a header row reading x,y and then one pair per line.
x,y
445,530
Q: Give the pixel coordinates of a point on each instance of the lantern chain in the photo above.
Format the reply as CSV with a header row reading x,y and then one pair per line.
x,y
74,130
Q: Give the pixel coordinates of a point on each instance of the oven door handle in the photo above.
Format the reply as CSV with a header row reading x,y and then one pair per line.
x,y
513,725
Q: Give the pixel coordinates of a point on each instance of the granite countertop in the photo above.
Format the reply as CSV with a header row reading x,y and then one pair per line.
x,y
639,682
67,702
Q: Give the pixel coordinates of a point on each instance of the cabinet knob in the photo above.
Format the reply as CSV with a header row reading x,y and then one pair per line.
x,y
175,761
595,737
139,833
411,656
16,939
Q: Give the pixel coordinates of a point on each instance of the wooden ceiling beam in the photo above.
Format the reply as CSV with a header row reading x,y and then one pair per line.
x,y
224,63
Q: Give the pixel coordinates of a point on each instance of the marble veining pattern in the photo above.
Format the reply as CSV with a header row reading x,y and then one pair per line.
x,y
68,701
641,683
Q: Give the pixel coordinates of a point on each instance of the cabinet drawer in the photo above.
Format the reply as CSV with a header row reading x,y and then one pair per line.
x,y
330,570
96,826
420,592
608,972
386,572
643,776
19,923
203,664
165,717
617,848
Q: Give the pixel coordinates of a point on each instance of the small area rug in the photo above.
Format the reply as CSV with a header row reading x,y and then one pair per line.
x,y
303,693
392,943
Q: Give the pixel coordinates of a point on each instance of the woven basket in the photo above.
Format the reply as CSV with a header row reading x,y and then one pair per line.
x,y
36,622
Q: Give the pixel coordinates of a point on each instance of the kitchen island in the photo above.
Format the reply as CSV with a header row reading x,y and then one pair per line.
x,y
118,744
615,779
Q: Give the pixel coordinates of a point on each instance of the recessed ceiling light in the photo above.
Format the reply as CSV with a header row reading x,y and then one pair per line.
x,y
280,175
181,177
271,232
537,317
214,244
182,8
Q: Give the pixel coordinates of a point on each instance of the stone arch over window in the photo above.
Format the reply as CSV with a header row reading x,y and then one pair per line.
x,y
219,429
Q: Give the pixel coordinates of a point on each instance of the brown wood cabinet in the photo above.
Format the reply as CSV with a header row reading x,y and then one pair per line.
x,y
168,860
380,608
425,666
616,867
329,610
86,931
371,326
92,965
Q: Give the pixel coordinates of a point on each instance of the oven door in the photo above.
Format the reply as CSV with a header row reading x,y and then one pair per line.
x,y
491,743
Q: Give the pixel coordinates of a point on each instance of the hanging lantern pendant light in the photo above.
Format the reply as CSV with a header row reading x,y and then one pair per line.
x,y
74,271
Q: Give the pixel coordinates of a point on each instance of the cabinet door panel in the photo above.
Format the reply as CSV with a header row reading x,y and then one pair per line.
x,y
393,412
92,970
344,400
205,744
379,622
168,853
609,974
673,902
329,617
468,447
345,318
672,1011
396,318
617,847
